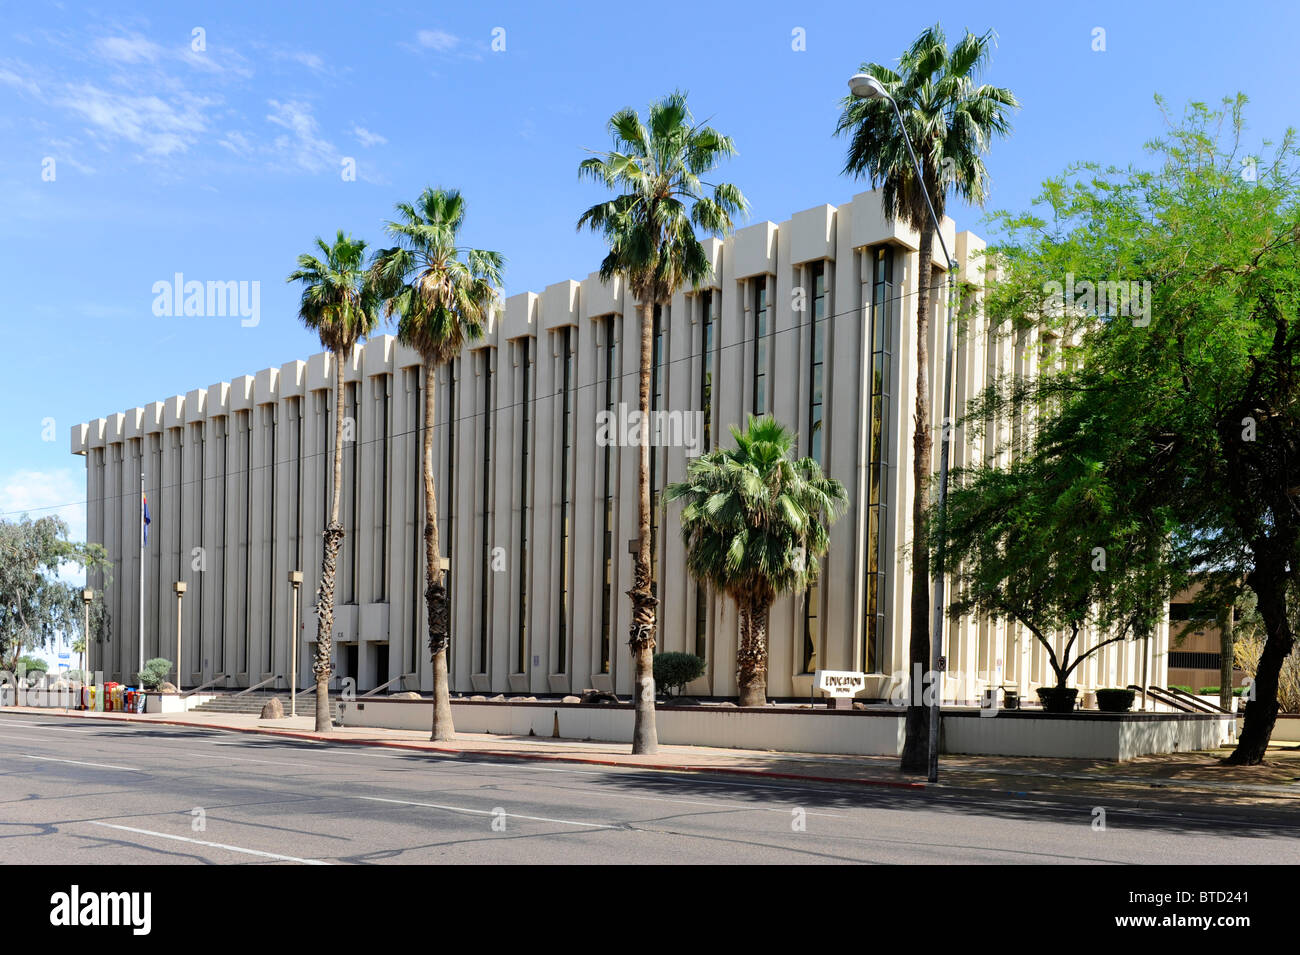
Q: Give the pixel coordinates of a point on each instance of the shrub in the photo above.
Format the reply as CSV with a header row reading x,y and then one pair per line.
x,y
154,672
1247,651
1180,686
1057,699
1209,691
673,671
1115,700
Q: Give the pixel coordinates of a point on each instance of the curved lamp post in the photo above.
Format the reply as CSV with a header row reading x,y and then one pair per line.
x,y
866,86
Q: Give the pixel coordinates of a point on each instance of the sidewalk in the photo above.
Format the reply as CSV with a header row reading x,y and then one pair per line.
x,y
1185,780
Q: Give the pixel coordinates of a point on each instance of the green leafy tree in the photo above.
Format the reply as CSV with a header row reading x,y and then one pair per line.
x,y
1049,543
656,169
951,119
1187,340
36,605
756,523
443,296
338,304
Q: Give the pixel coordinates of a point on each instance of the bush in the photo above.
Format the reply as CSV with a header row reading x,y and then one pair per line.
x,y
154,672
1180,686
1209,691
1115,700
673,671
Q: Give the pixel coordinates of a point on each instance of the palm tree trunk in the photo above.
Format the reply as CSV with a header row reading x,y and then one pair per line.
x,y
645,737
751,654
329,563
435,587
915,746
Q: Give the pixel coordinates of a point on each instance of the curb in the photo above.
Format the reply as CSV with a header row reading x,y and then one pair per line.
x,y
497,754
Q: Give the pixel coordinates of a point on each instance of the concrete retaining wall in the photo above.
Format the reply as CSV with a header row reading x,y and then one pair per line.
x,y
876,732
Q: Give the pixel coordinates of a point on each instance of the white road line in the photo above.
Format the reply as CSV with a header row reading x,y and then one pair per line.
x,y
214,845
247,759
77,762
25,739
6,721
488,812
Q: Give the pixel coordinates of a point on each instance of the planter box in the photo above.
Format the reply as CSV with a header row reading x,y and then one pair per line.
x,y
172,702
878,731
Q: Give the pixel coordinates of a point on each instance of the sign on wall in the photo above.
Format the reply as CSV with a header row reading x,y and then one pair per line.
x,y
841,683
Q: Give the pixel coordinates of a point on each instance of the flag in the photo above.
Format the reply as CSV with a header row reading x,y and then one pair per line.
x,y
146,517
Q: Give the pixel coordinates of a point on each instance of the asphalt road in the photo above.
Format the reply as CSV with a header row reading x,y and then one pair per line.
x,y
79,793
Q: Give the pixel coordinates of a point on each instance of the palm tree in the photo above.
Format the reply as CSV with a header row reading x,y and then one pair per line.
x,y
339,305
951,121
443,296
756,523
655,169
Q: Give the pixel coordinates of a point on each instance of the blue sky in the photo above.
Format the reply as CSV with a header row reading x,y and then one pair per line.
x,y
223,163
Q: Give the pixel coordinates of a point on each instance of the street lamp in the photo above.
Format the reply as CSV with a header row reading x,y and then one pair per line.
x,y
295,578
865,86
179,587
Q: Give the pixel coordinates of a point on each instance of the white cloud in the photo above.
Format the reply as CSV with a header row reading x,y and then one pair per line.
x,y
43,493
10,78
237,143
303,146
438,40
162,127
366,138
128,49
309,60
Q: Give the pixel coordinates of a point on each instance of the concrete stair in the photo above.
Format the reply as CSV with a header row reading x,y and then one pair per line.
x,y
253,703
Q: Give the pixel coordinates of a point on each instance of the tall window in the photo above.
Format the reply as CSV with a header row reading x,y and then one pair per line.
x,y
882,311
415,414
379,576
607,536
706,406
521,563
816,273
485,489
566,493
453,368
352,480
759,371
656,403
266,522
200,488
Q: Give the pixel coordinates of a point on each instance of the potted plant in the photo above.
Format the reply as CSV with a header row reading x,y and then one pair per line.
x,y
1057,699
1115,700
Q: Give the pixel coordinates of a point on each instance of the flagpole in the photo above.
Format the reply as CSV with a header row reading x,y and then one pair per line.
x,y
142,533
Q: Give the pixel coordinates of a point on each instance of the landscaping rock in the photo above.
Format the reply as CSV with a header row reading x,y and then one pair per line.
x,y
165,687
273,710
594,697
478,699
571,699
404,695
499,698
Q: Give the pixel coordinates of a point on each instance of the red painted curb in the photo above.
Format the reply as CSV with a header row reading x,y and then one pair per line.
x,y
504,754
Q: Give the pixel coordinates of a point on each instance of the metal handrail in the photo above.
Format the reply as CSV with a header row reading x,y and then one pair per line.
x,y
203,686
1161,695
258,686
310,689
1190,698
382,686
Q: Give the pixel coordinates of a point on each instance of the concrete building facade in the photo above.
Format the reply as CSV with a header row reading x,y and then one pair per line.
x,y
812,320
